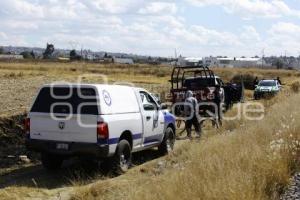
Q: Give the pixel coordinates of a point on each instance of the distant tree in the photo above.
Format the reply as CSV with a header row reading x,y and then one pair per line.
x,y
32,54
27,55
1,50
74,55
279,64
107,56
49,51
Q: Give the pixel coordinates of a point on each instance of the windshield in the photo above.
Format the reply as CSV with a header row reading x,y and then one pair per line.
x,y
267,83
199,82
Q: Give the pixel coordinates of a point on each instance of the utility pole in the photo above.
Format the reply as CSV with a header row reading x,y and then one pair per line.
x,y
176,60
262,58
298,59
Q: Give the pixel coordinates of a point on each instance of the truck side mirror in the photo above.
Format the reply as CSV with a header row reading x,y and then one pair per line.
x,y
149,107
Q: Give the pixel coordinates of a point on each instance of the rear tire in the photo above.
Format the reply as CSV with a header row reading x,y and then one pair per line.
x,y
121,161
168,142
51,162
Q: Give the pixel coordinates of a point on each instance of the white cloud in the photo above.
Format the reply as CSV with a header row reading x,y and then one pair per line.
x,y
159,8
3,36
20,9
286,28
7,39
144,27
249,33
284,36
251,8
19,24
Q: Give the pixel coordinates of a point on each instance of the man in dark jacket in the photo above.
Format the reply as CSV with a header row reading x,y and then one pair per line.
x,y
279,81
190,112
255,82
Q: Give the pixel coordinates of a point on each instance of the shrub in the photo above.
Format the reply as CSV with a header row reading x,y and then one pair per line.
x,y
247,78
14,75
295,87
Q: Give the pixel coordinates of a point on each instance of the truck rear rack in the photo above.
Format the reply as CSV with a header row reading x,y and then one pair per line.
x,y
179,74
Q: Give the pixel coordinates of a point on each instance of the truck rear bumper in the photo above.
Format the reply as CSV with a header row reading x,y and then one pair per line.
x,y
74,148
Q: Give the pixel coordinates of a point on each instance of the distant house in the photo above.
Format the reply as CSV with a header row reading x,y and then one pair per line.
x,y
295,64
11,57
123,61
222,62
191,61
238,62
63,59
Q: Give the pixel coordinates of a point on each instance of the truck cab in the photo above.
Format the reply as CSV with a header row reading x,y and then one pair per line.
x,y
106,122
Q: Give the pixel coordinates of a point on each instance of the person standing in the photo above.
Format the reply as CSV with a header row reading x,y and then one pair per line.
x,y
279,81
190,112
255,82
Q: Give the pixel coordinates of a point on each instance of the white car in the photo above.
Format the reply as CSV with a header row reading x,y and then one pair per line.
x,y
103,121
267,88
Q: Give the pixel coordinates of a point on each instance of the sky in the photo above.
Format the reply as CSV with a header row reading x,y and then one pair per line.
x,y
195,28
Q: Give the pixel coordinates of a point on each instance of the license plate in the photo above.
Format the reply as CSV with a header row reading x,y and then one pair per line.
x,y
62,146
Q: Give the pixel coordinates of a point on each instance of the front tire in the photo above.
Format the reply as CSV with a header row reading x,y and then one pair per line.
x,y
51,162
121,161
168,142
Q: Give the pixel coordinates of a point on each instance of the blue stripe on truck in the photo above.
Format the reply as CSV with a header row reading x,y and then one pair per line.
x,y
116,140
154,138
137,136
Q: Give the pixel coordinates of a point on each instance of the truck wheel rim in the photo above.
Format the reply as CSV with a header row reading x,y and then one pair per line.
x,y
170,143
124,159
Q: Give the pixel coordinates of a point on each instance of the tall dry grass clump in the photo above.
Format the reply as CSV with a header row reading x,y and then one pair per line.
x,y
253,161
295,86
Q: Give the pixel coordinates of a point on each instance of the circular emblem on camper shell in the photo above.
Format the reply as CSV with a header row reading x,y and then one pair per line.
x,y
61,125
106,97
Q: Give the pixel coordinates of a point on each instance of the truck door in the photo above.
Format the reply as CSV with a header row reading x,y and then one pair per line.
x,y
153,119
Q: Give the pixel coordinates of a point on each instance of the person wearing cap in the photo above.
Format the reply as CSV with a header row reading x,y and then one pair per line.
x,y
190,112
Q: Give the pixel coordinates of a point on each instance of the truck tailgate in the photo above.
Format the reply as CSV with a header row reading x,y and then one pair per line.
x,y
44,127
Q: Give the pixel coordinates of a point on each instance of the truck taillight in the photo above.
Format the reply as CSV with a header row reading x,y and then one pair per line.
x,y
27,126
102,130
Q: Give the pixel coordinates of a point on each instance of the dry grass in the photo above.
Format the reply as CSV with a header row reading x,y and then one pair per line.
x,y
253,161
295,86
246,160
286,75
24,79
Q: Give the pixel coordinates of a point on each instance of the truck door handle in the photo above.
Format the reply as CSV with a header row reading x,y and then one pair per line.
x,y
148,118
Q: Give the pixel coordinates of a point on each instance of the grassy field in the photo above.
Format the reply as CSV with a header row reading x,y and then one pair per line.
x,y
19,82
242,160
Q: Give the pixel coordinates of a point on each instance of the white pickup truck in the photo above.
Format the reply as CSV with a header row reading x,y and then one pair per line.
x,y
107,122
